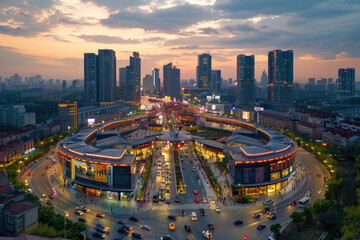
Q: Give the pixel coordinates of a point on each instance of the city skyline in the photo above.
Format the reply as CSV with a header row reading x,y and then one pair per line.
x,y
50,37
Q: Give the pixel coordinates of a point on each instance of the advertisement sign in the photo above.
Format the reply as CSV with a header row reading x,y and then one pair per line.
x,y
246,115
258,109
91,171
91,121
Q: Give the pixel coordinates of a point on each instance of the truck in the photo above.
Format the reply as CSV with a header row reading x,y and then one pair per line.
x,y
156,196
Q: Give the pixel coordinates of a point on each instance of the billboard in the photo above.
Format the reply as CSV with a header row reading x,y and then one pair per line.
x,y
215,108
91,121
245,115
258,109
92,172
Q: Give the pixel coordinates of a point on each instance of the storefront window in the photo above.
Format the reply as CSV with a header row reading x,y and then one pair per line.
x,y
271,188
278,186
285,172
274,176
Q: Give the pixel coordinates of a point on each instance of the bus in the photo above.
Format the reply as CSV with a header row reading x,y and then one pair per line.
x,y
156,196
304,202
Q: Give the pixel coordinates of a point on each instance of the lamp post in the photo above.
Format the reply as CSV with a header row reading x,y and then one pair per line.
x,y
66,215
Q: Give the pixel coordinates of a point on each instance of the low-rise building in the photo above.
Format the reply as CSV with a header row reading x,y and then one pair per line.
x,y
341,137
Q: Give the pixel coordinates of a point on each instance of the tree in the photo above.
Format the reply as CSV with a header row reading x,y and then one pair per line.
x,y
309,214
297,218
321,205
275,228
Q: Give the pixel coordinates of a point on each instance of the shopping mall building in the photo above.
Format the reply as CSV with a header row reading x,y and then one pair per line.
x,y
99,162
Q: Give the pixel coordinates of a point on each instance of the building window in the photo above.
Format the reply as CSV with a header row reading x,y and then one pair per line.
x,y
274,176
285,172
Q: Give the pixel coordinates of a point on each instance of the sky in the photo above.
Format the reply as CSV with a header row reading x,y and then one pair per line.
x,y
49,37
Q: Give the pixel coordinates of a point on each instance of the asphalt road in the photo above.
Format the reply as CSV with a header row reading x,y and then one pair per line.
x,y
157,219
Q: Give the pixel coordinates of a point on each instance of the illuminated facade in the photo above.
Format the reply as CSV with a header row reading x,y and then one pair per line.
x,y
264,164
99,172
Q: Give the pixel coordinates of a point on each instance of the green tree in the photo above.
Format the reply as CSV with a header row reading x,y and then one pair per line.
x,y
351,222
42,230
309,214
297,218
33,198
275,228
321,205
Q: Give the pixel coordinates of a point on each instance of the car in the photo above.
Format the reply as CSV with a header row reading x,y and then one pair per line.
x,y
42,175
172,217
265,209
194,169
167,200
48,202
187,228
187,155
196,192
181,155
166,237
29,174
217,209
182,159
271,212
308,194
195,159
187,151
326,179
123,230
99,225
256,215
212,200
202,212
272,217
177,199
79,208
197,199
162,180
172,226
85,209
261,227
191,161
211,226
127,227
100,215
198,177
205,200
133,218
268,201
318,175
207,234
121,222
137,235
82,219
182,212
193,216
51,196
47,167
183,167
100,230
78,212
292,203
99,235
145,227
238,222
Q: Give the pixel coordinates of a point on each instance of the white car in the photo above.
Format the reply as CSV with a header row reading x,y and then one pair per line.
x,y
162,180
207,234
217,209
79,208
268,201
79,212
146,227
193,216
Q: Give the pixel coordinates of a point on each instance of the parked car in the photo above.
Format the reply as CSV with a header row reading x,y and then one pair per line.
x,y
133,218
238,222
172,226
137,235
82,219
100,215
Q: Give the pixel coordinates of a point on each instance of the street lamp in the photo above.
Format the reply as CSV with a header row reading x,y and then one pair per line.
x,y
66,215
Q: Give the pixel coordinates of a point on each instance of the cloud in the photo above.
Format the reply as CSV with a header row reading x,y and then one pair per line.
x,y
107,39
209,30
342,55
240,28
170,19
186,47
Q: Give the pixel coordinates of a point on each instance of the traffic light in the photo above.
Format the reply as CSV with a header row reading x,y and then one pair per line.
x,y
245,237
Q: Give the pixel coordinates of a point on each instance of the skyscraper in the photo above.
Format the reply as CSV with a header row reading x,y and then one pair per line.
x,y
171,80
203,71
245,81
281,76
106,76
216,81
156,81
90,73
122,83
135,63
264,80
147,84
346,85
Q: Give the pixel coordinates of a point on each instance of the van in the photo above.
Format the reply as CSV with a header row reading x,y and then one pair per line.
x,y
271,238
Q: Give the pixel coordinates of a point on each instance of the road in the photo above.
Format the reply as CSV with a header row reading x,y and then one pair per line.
x,y
66,200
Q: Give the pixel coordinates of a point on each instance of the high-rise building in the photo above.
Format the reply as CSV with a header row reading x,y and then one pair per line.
x,y
156,81
90,82
171,80
264,80
311,80
63,85
122,83
135,63
147,84
346,85
245,80
281,76
106,76
203,71
216,81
